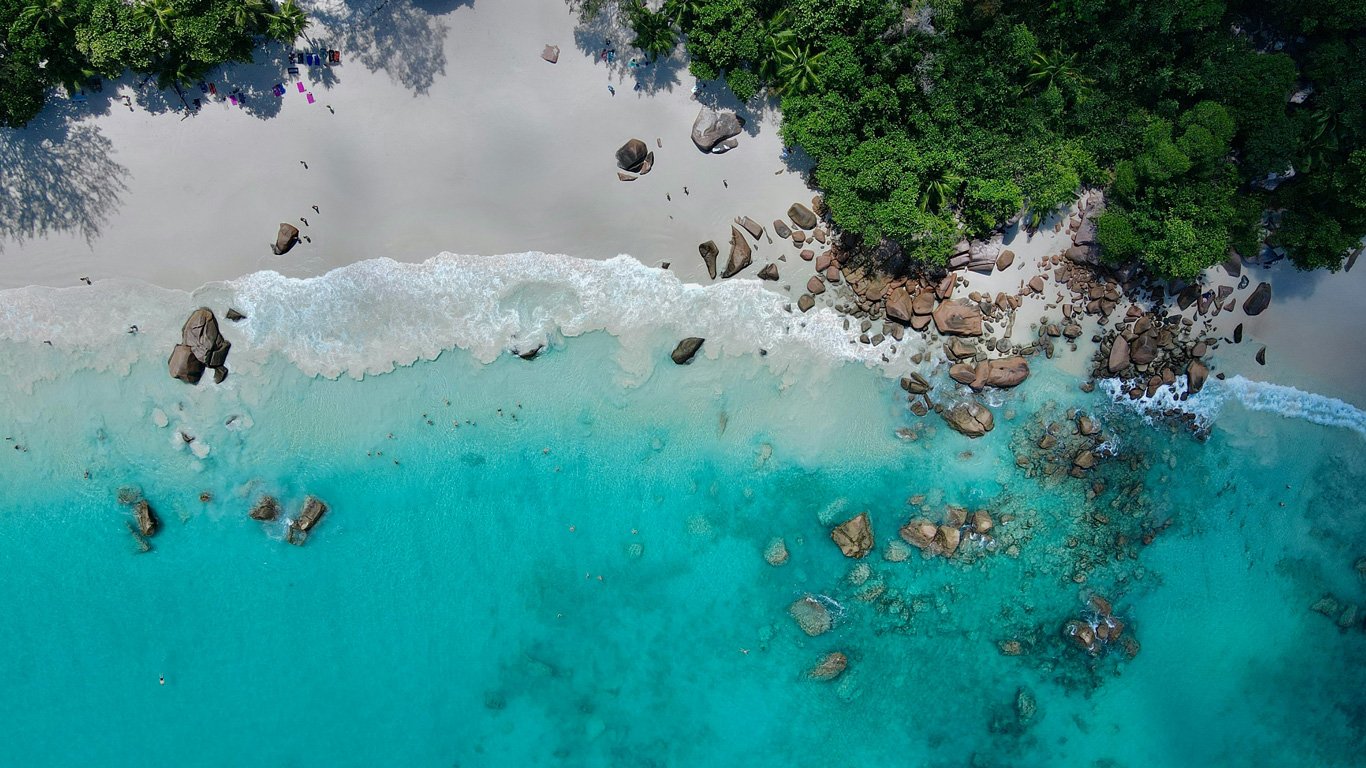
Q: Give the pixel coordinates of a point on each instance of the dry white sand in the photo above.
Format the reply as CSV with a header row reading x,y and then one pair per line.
x,y
449,134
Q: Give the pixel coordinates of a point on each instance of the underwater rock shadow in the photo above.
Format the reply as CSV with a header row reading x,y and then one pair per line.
x,y
57,175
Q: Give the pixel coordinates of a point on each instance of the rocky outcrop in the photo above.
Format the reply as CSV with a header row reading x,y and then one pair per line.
x,y
854,536
631,155
830,667
312,512
202,346
266,508
740,253
811,615
1196,375
709,253
686,349
1259,300
970,418
958,318
712,128
285,239
146,519
1119,355
1004,373
802,216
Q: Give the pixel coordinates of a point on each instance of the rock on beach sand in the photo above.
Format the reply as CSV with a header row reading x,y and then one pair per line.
x,y
712,128
285,239
740,253
709,253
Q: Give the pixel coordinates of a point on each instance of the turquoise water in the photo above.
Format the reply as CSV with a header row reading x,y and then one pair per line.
x,y
560,562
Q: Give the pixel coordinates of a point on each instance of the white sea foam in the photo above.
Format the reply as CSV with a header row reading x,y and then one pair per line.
x,y
371,316
1261,396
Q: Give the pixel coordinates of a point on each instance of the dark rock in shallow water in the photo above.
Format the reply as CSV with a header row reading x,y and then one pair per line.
x,y
313,511
530,353
915,384
854,536
267,508
285,239
686,349
1196,375
1261,356
220,373
811,615
184,366
830,667
769,272
740,253
1259,300
970,418
146,518
235,316
709,253
805,302
712,127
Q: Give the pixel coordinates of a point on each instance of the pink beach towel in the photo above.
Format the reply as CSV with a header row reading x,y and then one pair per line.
x,y
233,99
301,87
310,98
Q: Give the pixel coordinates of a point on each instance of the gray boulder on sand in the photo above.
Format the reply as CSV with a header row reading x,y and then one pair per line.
x,y
551,53
709,253
712,128
686,349
802,216
754,228
780,229
632,155
285,239
740,253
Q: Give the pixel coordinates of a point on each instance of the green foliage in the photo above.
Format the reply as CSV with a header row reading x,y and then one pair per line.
x,y
654,30
48,43
989,202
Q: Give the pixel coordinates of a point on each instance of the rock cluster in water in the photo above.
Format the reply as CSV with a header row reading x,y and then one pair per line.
x,y
299,528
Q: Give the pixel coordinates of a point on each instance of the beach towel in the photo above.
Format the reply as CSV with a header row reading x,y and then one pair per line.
x,y
293,70
233,99
310,98
301,87
279,89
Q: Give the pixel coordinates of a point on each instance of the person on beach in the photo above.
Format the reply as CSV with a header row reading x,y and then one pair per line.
x,y
612,90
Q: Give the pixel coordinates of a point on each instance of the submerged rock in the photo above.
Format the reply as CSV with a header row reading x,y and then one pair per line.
x,y
830,667
854,536
775,553
266,508
686,349
970,418
811,615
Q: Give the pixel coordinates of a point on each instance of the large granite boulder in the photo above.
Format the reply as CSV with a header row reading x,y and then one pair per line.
x,y
1196,375
145,517
285,239
313,511
712,128
802,216
854,536
900,306
184,365
740,253
631,156
683,353
1004,373
920,534
958,318
709,253
969,417
754,228
811,615
1119,355
1259,300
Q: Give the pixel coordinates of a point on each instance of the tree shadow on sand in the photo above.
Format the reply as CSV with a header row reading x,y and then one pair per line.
x,y
405,38
57,175
628,68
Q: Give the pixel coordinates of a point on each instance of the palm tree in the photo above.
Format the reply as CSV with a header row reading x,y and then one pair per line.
x,y
654,30
797,71
1054,70
45,16
157,15
681,11
940,189
287,23
779,36
248,13
177,71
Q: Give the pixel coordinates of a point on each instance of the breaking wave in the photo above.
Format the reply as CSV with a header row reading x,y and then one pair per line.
x,y
372,316
1265,397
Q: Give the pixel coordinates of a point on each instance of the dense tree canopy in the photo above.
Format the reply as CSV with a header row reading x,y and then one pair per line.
x,y
69,43
1205,120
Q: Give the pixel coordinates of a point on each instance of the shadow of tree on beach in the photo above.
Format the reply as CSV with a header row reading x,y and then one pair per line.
x,y
629,66
57,175
405,38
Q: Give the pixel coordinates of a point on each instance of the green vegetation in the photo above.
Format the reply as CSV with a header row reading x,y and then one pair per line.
x,y
937,119
71,43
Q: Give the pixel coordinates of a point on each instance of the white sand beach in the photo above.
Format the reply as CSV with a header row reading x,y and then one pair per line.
x,y
447,132
444,130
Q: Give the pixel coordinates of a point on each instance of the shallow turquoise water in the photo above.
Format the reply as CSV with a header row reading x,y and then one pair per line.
x,y
578,579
